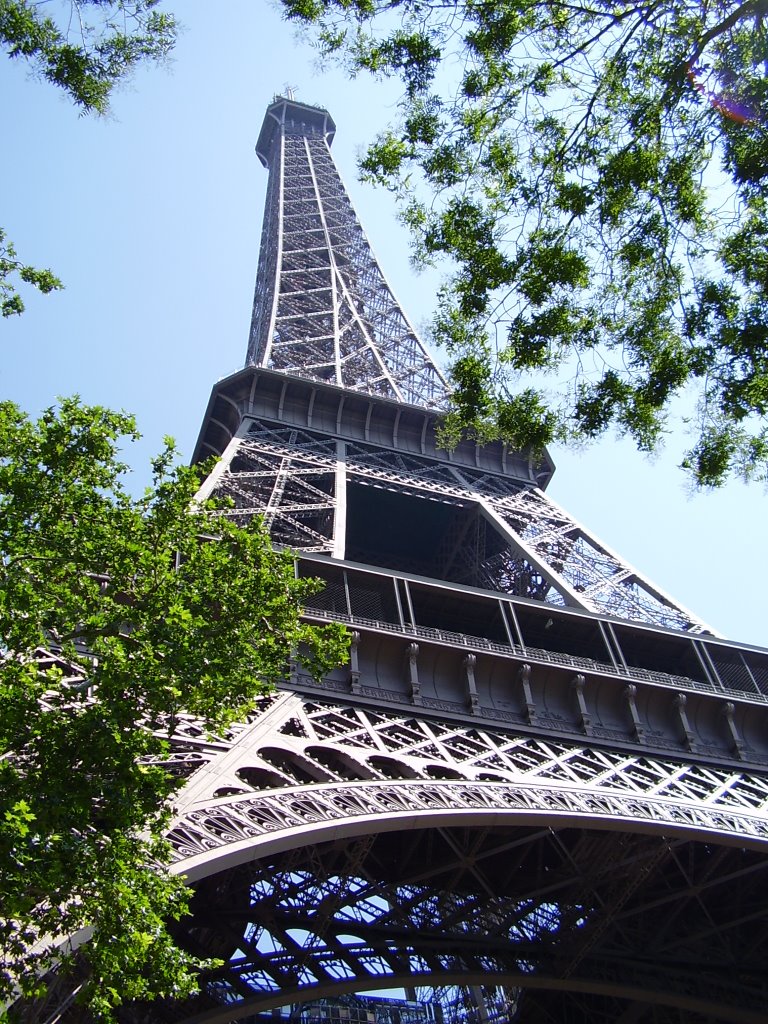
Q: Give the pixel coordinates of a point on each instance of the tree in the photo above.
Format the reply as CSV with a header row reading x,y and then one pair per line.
x,y
11,303
117,614
595,175
91,48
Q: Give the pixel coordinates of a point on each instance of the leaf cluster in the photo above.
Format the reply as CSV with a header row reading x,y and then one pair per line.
x,y
596,176
147,611
91,47
11,303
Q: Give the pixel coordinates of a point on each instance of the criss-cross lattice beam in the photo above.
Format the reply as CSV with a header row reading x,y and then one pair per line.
x,y
565,921
528,546
323,308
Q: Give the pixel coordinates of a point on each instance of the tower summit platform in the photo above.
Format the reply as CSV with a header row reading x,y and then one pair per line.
x,y
288,116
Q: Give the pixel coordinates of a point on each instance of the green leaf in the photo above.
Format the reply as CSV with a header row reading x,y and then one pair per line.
x,y
595,182
145,617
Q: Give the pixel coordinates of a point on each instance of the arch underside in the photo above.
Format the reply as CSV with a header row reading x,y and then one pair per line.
x,y
493,875
569,924
562,882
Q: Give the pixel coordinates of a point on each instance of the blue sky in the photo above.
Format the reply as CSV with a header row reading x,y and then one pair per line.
x,y
152,217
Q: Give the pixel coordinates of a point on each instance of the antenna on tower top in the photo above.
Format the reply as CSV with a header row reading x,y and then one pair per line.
x,y
290,92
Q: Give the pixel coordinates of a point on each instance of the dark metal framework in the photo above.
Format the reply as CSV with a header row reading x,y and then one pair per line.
x,y
322,307
570,925
347,849
363,478
538,792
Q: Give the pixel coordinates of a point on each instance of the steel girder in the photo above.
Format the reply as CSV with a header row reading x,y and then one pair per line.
x,y
322,307
297,480
337,849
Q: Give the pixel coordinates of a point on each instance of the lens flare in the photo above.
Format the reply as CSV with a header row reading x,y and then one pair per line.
x,y
721,99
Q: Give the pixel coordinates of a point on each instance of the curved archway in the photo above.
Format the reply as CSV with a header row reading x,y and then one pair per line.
x,y
340,764
391,767
227,832
568,914
296,767
262,778
443,771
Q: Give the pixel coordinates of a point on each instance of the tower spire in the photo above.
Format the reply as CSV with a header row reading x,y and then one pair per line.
x,y
323,308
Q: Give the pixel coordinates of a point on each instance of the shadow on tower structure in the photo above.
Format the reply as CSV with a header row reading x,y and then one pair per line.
x,y
539,790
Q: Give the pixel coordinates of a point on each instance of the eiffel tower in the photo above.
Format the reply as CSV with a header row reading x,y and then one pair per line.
x,y
538,792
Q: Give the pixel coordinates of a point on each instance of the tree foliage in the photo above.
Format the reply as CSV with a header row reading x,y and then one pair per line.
x,y
11,302
151,611
595,175
87,48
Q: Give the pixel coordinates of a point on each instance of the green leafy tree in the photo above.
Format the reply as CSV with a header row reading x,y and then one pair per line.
x,y
147,611
11,303
595,175
87,48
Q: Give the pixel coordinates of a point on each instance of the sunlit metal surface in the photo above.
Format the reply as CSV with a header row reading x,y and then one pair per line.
x,y
538,792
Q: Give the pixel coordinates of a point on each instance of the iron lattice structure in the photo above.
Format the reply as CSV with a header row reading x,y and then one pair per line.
x,y
538,792
563,882
500,532
340,394
322,307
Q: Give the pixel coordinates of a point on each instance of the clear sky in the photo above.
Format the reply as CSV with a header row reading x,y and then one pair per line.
x,y
152,218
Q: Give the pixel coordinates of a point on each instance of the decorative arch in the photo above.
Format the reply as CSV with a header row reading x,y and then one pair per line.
x,y
556,894
299,769
339,762
392,767
236,829
262,778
